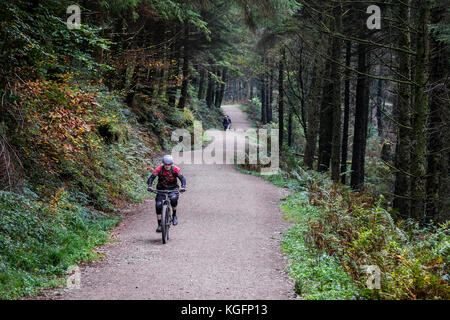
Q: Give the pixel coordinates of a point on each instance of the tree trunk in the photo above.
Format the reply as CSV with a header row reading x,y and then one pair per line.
x,y
313,115
164,71
290,128
348,57
436,172
281,98
379,106
185,85
224,85
217,90
445,162
403,117
419,124
361,121
221,91
263,100
270,96
210,91
150,84
238,91
336,75
174,71
326,123
201,86
245,91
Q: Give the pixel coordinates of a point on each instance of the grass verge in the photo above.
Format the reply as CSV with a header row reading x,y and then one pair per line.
x,y
317,275
39,241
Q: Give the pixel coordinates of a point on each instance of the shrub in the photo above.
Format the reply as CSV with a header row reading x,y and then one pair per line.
x,y
39,241
317,274
83,142
338,232
357,231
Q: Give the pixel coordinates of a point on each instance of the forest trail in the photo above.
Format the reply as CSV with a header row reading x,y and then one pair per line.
x,y
226,245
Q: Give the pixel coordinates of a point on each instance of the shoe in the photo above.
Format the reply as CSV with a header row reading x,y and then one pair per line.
x,y
159,229
175,220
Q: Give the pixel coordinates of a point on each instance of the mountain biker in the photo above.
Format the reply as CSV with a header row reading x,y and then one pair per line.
x,y
167,175
226,122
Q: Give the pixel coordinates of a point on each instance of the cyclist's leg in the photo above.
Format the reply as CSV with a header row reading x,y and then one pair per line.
x,y
159,204
174,203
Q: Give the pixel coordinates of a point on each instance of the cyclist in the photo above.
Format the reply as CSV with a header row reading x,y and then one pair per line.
x,y
229,122
167,175
226,122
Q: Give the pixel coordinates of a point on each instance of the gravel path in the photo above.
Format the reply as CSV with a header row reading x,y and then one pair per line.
x,y
226,246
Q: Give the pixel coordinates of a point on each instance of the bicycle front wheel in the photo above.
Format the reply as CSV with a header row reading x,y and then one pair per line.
x,y
165,224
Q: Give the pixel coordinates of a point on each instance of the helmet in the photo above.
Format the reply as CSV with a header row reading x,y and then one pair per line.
x,y
167,160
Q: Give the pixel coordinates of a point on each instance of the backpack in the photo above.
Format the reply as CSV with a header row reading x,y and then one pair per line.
x,y
167,181
172,171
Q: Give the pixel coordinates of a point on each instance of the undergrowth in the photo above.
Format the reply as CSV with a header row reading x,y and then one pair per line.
x,y
253,111
337,233
39,241
79,138
81,153
317,275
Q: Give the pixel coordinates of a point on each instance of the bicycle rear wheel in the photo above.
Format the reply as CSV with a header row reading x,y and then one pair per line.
x,y
165,223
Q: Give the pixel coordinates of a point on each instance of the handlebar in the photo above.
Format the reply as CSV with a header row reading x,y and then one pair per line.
x,y
166,191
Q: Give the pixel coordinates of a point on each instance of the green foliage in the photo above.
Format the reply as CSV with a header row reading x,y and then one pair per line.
x,y
161,119
40,44
210,118
317,275
253,111
83,143
379,175
442,30
356,231
40,240
183,12
337,232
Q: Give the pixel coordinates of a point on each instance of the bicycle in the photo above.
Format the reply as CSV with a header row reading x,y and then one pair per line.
x,y
166,214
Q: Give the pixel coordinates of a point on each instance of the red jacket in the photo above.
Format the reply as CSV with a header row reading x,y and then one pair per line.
x,y
167,179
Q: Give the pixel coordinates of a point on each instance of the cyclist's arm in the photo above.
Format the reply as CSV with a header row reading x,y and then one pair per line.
x,y
151,179
153,176
180,177
183,180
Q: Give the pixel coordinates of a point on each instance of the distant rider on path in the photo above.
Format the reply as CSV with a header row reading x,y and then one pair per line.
x,y
167,175
226,122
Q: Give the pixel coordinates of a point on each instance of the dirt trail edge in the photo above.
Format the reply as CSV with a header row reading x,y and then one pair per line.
x,y
226,246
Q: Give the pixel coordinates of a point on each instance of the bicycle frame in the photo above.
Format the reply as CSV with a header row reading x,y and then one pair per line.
x,y
166,214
